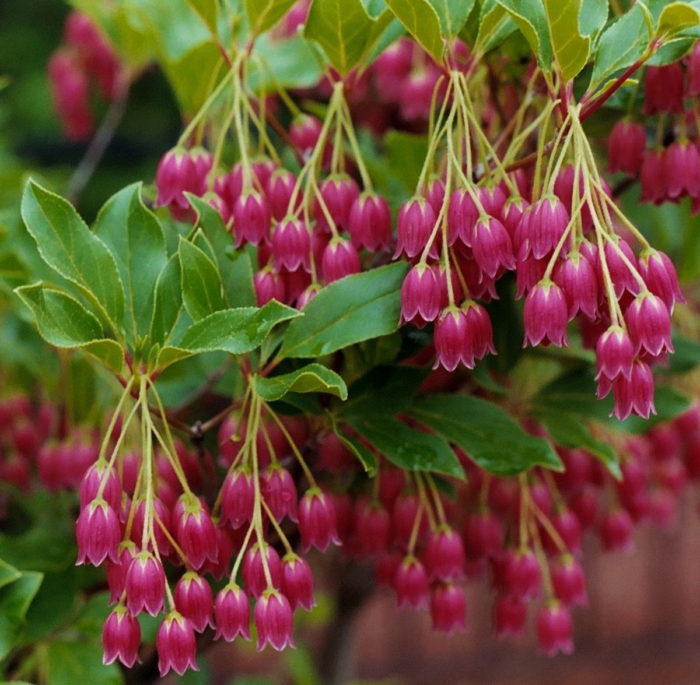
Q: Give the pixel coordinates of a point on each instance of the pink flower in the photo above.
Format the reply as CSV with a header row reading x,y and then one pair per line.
x,y
193,599
411,583
448,608
176,644
297,582
121,637
555,629
626,147
145,584
420,295
369,222
98,533
317,520
274,621
545,315
232,612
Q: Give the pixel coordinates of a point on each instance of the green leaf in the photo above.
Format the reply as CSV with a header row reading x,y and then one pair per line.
x,y
208,10
490,437
264,14
64,322
185,74
570,48
8,574
235,331
452,14
310,378
52,606
495,25
620,45
167,302
69,247
676,17
359,451
234,266
353,309
293,62
344,30
568,430
79,661
384,390
201,283
531,19
135,237
593,16
422,22
408,448
15,599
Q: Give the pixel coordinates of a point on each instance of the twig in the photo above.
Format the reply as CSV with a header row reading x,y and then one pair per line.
x,y
98,145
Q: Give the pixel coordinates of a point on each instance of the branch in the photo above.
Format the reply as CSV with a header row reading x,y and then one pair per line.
x,y
98,146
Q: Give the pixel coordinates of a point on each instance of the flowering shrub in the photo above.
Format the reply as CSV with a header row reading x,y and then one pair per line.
x,y
381,300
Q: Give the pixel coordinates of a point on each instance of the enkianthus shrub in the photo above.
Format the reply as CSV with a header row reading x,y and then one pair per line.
x,y
398,308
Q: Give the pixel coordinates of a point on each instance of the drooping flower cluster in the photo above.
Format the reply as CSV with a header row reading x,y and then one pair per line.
x,y
668,171
84,59
308,230
521,534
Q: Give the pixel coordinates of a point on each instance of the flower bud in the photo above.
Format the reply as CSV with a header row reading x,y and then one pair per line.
x,y
616,531
317,521
291,245
273,621
372,527
98,533
649,324
569,582
194,531
268,286
448,608
297,582
232,612
492,246
279,492
509,615
663,89
626,147
659,274
176,644
251,218
238,497
555,629
420,295
411,583
444,555
254,578
635,393
614,353
414,225
121,637
339,259
193,599
145,584
545,315
577,279
369,222
338,193
92,480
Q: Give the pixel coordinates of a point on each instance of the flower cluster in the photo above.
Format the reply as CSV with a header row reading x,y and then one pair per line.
x,y
667,171
563,236
309,228
83,59
521,534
